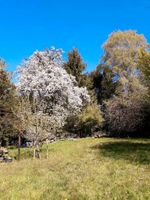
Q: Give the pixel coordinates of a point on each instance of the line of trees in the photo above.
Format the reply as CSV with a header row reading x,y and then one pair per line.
x,y
51,95
119,86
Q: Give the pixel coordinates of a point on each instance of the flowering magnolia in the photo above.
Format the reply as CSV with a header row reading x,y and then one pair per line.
x,y
43,76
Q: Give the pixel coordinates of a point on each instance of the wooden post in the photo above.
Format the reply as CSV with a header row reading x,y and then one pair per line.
x,y
19,145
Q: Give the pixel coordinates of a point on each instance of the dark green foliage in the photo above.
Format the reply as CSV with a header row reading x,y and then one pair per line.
x,y
75,67
103,83
90,117
7,104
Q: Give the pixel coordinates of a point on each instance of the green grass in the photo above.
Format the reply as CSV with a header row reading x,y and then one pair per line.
x,y
109,169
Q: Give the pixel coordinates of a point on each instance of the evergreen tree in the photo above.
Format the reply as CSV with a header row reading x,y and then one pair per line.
x,y
75,67
103,83
7,104
91,116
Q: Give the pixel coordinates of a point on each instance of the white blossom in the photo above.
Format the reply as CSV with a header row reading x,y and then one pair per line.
x,y
44,76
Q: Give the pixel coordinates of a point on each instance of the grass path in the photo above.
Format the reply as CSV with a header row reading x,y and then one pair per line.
x,y
85,169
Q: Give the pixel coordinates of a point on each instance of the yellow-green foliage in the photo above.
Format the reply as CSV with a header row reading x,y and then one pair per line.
x,y
90,119
85,169
144,66
122,51
91,113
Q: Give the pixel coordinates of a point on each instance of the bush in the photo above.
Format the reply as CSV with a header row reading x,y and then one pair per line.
x,y
124,114
87,122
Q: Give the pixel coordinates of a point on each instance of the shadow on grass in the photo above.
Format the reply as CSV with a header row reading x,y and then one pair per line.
x,y
133,152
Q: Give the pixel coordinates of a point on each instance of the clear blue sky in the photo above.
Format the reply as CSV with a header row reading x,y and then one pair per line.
x,y
28,25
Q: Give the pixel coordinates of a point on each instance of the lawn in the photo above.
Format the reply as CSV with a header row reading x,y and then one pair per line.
x,y
84,169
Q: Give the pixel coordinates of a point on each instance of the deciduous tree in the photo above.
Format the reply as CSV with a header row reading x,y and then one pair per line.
x,y
121,54
43,77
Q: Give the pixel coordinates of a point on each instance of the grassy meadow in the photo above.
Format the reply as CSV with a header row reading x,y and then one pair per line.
x,y
84,169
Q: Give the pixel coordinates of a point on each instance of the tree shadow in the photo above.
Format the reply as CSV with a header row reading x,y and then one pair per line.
x,y
133,152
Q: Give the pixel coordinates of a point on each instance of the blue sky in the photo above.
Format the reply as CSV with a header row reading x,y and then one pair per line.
x,y
28,25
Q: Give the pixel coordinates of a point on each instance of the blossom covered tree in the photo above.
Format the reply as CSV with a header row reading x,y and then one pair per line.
x,y
43,77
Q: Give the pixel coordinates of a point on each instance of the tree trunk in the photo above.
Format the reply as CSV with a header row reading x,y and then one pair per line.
x,y
46,149
39,155
19,145
34,153
39,148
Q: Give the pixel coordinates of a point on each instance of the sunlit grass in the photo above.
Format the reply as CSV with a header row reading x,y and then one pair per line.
x,y
110,169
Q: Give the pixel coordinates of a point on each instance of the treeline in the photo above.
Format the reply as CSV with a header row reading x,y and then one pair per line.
x,y
52,96
119,87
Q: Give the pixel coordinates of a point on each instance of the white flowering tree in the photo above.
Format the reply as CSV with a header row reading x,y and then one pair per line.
x,y
43,77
